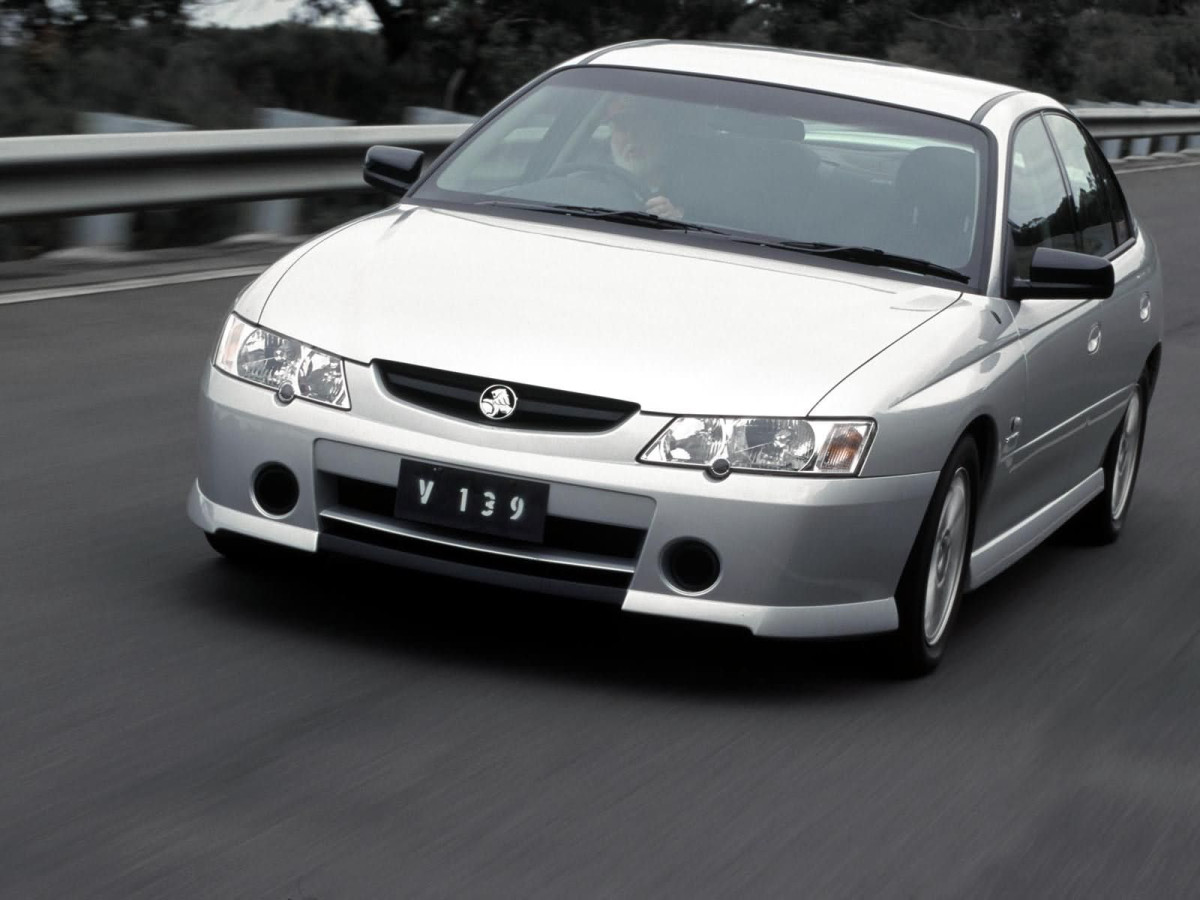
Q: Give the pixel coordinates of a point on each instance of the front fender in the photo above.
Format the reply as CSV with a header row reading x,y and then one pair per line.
x,y
925,390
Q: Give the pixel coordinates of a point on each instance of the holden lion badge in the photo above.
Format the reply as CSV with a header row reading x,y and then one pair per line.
x,y
498,402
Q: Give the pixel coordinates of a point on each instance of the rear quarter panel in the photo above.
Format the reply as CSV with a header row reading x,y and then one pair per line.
x,y
1128,338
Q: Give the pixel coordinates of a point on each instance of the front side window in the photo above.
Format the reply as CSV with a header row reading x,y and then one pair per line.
x,y
739,158
1040,213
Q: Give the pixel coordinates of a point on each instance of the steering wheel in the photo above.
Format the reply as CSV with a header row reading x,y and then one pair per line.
x,y
613,175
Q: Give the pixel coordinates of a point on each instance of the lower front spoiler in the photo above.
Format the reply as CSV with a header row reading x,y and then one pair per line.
x,y
213,517
840,620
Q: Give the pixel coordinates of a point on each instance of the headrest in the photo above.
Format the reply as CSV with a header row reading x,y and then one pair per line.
x,y
758,125
937,171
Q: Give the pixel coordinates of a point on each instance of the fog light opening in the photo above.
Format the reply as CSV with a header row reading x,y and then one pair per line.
x,y
276,490
691,566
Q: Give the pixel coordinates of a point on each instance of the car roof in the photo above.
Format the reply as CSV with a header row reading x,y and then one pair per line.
x,y
879,81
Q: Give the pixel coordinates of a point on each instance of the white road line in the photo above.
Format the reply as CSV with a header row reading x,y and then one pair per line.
x,y
129,284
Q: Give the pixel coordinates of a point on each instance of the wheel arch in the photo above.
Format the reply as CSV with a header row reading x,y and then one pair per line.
x,y
982,431
987,442
1153,362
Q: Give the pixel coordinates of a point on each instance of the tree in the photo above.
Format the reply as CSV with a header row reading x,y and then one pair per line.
x,y
34,16
456,37
401,22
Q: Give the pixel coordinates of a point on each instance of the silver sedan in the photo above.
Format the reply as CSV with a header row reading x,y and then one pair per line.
x,y
804,344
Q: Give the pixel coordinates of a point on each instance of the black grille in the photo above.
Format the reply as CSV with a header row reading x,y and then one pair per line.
x,y
528,567
538,408
574,535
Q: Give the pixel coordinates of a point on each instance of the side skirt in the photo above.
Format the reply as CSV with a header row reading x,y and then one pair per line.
x,y
1001,552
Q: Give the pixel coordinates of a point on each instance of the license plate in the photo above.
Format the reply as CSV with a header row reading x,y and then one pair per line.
x,y
472,501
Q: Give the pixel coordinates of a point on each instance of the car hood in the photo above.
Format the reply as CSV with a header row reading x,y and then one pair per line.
x,y
675,328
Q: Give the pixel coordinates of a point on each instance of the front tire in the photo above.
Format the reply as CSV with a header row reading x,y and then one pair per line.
x,y
935,575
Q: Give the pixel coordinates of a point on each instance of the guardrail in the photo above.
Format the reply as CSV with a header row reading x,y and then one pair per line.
x,y
76,174
68,175
1155,128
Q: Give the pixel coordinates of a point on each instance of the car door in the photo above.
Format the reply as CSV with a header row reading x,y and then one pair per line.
x,y
1104,230
1046,450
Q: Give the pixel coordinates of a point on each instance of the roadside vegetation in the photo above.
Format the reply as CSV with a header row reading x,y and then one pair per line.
x,y
152,58
147,58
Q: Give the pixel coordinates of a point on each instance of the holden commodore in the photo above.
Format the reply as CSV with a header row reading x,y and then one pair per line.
x,y
801,343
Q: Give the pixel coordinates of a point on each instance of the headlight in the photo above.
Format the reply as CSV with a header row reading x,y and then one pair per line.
x,y
794,446
294,369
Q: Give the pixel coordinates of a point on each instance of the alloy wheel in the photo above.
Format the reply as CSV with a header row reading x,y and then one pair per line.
x,y
949,556
1130,444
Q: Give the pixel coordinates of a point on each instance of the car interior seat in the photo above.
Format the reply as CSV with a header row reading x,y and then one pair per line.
x,y
752,175
932,213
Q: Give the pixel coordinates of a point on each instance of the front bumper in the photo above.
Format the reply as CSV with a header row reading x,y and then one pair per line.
x,y
800,557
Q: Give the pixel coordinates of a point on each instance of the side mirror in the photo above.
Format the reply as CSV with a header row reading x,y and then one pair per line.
x,y
392,169
1064,274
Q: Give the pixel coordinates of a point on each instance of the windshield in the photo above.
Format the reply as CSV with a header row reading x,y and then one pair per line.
x,y
789,166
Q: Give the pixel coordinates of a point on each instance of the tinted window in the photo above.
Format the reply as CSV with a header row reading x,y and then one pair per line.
x,y
763,160
1120,211
1093,206
1039,209
1116,197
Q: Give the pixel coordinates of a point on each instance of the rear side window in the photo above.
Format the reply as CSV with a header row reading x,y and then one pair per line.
x,y
1040,213
1091,195
1067,133
1121,223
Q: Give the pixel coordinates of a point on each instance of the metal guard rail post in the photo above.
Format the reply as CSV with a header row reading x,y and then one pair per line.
x,y
1124,124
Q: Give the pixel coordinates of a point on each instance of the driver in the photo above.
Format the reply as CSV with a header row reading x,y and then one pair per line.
x,y
638,145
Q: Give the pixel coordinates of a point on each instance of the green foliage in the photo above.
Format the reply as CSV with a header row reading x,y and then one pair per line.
x,y
81,20
207,78
138,57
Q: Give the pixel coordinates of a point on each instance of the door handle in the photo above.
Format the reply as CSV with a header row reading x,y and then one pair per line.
x,y
1093,344
1014,434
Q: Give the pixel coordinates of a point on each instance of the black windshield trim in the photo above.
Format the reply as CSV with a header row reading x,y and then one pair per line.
x,y
737,243
605,214
867,256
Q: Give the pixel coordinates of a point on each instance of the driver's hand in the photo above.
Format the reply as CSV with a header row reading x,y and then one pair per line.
x,y
663,208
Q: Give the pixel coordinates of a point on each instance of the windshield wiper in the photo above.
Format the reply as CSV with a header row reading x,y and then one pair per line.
x,y
870,256
604,214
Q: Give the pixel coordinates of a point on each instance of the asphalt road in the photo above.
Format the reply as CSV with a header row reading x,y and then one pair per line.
x,y
171,726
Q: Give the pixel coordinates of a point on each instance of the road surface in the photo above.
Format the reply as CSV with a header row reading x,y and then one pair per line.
x,y
173,727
